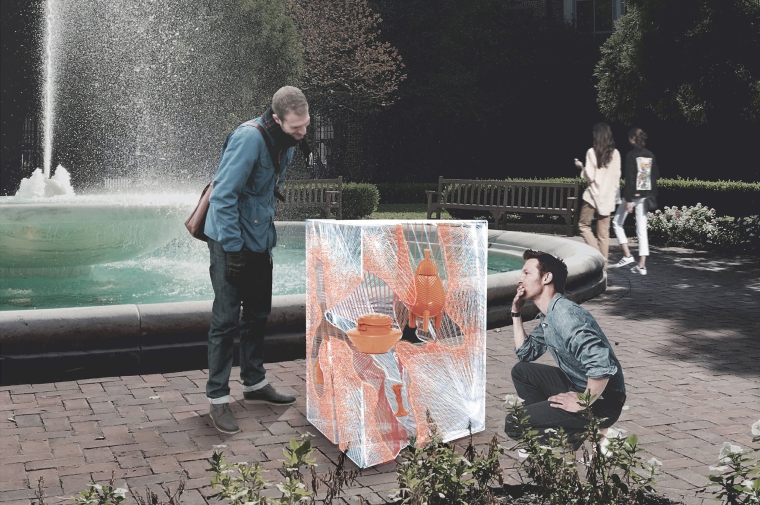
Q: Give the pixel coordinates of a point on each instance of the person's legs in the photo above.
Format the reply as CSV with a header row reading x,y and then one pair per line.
x,y
535,383
603,234
617,226
641,231
257,305
584,225
224,322
225,314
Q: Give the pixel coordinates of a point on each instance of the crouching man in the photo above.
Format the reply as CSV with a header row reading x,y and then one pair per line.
x,y
580,349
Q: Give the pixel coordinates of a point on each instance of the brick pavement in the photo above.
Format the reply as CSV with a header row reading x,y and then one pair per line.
x,y
686,335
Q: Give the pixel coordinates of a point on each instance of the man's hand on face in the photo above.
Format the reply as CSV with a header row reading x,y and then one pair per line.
x,y
519,300
566,401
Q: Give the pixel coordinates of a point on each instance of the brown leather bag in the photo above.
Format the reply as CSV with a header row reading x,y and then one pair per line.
x,y
196,223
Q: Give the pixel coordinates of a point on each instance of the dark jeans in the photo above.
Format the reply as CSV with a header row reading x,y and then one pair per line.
x,y
255,295
535,383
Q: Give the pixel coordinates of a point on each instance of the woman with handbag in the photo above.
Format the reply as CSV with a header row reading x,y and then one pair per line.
x,y
602,171
641,174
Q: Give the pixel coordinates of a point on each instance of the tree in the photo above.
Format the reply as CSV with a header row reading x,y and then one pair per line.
x,y
346,65
683,59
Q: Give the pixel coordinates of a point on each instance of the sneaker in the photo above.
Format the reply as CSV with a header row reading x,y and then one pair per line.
x,y
639,270
268,394
627,260
223,418
604,447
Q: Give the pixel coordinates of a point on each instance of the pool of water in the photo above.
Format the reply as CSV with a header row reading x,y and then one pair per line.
x,y
176,272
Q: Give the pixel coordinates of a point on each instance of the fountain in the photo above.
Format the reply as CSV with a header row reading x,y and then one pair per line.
x,y
138,97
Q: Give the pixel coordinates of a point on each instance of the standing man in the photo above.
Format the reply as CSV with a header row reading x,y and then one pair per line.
x,y
586,360
241,235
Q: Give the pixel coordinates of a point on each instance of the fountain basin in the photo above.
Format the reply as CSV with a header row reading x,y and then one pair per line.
x,y
64,344
65,237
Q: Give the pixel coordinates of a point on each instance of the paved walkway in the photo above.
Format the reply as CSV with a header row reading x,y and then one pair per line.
x,y
687,336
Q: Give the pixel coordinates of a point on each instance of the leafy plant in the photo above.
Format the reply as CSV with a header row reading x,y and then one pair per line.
x,y
243,483
615,475
740,482
95,494
698,226
359,200
437,474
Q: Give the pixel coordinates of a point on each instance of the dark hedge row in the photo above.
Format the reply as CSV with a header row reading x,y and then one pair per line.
x,y
729,198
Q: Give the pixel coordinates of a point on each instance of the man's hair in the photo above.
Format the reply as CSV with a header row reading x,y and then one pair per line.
x,y
289,99
548,263
638,137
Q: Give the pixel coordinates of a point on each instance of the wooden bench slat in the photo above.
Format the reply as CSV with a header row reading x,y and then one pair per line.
x,y
498,197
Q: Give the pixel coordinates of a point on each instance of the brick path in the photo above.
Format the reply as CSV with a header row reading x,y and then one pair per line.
x,y
687,336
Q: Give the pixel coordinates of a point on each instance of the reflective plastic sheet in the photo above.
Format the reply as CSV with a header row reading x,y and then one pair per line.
x,y
364,280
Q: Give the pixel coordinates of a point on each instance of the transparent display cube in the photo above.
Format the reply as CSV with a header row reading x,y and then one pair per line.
x,y
395,332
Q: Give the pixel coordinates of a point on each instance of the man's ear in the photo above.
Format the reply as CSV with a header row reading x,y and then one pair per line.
x,y
548,278
276,119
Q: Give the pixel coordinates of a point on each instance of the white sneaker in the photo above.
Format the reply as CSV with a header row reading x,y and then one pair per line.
x,y
627,260
639,270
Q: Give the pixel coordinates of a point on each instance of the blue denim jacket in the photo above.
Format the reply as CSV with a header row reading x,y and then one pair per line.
x,y
241,206
577,344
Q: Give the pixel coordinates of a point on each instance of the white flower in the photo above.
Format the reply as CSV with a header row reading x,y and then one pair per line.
x,y
748,483
654,462
615,433
727,450
120,491
512,401
98,487
221,446
718,468
550,430
756,429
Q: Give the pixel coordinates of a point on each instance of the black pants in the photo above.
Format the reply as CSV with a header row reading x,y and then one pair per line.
x,y
535,383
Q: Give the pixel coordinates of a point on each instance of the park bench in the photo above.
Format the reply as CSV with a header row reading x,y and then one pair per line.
x,y
326,194
502,197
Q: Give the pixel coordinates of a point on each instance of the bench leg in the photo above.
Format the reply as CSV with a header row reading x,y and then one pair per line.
x,y
497,219
569,222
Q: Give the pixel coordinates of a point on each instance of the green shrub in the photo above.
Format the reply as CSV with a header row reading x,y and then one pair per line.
x,y
739,483
700,227
359,200
730,198
615,476
439,475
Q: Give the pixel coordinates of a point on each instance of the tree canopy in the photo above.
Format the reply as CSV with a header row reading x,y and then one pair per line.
x,y
347,67
694,60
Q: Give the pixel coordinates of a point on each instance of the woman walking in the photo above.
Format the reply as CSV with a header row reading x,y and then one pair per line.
x,y
602,171
641,174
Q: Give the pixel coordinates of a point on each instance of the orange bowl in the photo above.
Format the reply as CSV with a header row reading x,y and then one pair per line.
x,y
374,334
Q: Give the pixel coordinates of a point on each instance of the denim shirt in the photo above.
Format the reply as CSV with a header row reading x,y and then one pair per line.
x,y
576,343
241,206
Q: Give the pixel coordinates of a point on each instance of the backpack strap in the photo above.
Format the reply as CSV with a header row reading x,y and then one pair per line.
x,y
270,147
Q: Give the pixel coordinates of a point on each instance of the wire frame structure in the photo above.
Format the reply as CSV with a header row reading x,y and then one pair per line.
x,y
372,280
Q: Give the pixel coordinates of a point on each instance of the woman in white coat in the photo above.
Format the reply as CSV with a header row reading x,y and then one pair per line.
x,y
602,171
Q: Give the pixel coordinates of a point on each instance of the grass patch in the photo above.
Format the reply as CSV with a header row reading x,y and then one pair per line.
x,y
403,211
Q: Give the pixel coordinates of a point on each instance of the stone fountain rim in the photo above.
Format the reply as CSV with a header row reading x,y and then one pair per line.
x,y
31,339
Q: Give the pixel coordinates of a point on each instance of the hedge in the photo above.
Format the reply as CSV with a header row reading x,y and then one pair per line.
x,y
359,200
729,198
